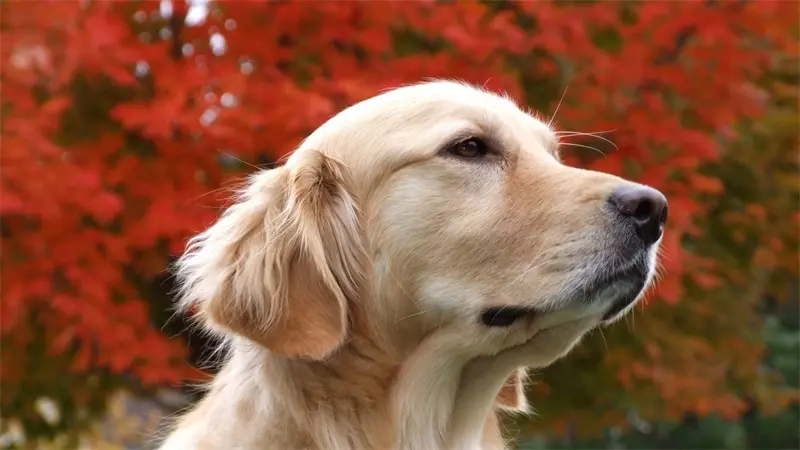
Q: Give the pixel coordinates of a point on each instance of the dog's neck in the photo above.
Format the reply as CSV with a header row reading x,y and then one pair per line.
x,y
263,400
341,402
359,374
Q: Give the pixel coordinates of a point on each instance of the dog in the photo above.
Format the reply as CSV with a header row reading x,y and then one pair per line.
x,y
387,286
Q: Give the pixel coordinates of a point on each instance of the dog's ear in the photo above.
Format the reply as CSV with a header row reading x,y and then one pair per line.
x,y
282,264
512,394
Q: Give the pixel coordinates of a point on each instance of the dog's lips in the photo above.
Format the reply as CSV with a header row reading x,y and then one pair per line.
x,y
613,291
633,274
619,290
503,316
622,288
619,305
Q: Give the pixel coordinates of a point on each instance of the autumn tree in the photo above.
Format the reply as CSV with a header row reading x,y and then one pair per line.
x,y
124,122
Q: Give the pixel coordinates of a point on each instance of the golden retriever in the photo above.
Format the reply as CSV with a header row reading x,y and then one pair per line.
x,y
386,286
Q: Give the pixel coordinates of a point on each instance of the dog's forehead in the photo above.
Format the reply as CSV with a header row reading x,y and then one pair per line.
x,y
422,105
471,102
418,118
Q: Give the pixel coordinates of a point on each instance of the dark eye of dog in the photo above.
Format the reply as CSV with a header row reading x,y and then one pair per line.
x,y
503,316
470,148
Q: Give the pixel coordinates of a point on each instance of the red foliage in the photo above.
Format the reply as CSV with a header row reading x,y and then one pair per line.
x,y
116,117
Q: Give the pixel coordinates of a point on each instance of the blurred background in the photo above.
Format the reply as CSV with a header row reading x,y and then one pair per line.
x,y
124,122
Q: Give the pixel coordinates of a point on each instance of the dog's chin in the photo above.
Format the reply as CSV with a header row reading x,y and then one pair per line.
x,y
621,289
623,303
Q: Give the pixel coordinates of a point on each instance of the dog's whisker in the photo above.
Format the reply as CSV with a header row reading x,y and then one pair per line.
x,y
419,313
400,285
525,271
603,336
604,139
553,118
586,132
231,155
573,144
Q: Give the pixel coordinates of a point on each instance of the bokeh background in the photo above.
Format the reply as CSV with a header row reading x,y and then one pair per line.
x,y
124,122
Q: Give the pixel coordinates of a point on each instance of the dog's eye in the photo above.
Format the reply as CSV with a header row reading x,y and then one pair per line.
x,y
470,148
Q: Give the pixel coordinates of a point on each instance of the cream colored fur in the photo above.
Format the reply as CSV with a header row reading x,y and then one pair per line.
x,y
348,283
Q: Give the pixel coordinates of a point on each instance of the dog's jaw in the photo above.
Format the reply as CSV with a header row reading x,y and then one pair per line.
x,y
446,390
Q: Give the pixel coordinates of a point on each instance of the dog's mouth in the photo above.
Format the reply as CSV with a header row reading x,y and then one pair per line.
x,y
504,316
619,289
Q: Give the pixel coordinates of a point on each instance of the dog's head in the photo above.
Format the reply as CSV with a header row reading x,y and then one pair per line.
x,y
436,202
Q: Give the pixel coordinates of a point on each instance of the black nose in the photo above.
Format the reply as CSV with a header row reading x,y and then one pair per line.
x,y
645,207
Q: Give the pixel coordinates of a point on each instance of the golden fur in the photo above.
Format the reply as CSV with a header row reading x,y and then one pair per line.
x,y
347,282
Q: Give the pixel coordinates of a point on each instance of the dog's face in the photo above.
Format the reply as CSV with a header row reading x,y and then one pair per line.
x,y
451,198
468,208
